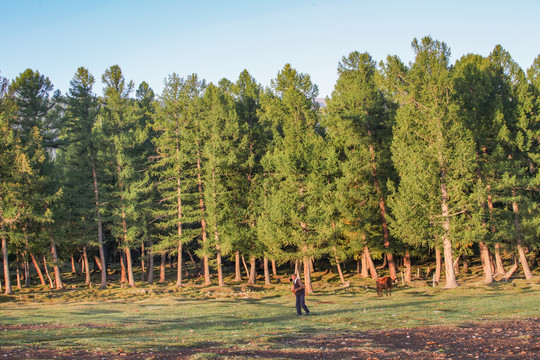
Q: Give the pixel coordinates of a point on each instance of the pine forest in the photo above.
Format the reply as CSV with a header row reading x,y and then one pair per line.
x,y
402,163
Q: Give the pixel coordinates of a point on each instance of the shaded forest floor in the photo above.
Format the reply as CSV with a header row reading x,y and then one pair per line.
x,y
474,321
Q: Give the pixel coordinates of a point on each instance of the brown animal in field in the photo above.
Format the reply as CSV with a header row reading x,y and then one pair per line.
x,y
385,283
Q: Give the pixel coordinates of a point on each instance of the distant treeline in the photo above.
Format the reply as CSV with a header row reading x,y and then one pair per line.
x,y
405,161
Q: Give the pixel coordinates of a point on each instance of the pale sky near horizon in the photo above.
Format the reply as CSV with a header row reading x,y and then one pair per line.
x,y
219,38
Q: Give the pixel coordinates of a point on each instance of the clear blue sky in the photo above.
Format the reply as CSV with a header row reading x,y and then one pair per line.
x,y
219,38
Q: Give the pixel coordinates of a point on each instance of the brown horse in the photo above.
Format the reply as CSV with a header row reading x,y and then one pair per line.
x,y
385,283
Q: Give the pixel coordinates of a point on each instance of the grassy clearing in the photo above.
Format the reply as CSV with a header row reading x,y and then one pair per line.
x,y
157,318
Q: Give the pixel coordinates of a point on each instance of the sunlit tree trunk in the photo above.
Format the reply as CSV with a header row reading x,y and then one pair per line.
x,y
57,275
521,251
38,269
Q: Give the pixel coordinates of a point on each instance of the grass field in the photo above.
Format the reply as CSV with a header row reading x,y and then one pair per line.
x,y
156,319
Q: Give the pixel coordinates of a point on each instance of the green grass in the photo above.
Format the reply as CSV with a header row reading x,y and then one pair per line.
x,y
157,318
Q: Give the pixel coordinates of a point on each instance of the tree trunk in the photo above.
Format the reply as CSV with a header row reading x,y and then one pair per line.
x,y
198,269
382,208
219,266
370,264
338,265
486,263
237,271
26,265
162,268
385,262
179,219
86,266
73,268
252,271
129,262
18,273
365,271
408,270
307,276
274,269
123,273
38,269
511,271
57,275
47,272
150,278
521,251
206,267
143,261
7,280
499,271
438,266
246,268
451,282
99,224
297,268
97,260
266,271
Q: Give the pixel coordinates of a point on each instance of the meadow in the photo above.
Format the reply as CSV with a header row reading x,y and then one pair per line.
x,y
241,322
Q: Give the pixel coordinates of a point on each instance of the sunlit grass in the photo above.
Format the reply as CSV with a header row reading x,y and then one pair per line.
x,y
124,319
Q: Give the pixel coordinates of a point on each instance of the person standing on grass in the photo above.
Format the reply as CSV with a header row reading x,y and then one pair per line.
x,y
299,290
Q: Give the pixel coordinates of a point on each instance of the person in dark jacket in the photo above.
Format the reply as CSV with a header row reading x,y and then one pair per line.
x,y
299,290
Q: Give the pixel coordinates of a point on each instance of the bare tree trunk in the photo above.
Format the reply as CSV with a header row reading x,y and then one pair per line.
x,y
57,275
252,271
274,270
150,278
219,266
129,262
382,207
512,269
73,268
194,262
86,266
26,271
521,251
206,267
266,271
7,280
297,268
438,265
237,272
447,243
246,268
486,263
456,264
47,272
179,218
180,266
38,269
499,271
466,263
123,273
365,271
307,276
370,264
385,262
408,271
18,273
99,224
143,261
338,265
98,262
162,268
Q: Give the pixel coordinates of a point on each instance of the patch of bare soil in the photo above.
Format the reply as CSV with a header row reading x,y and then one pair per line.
x,y
510,339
